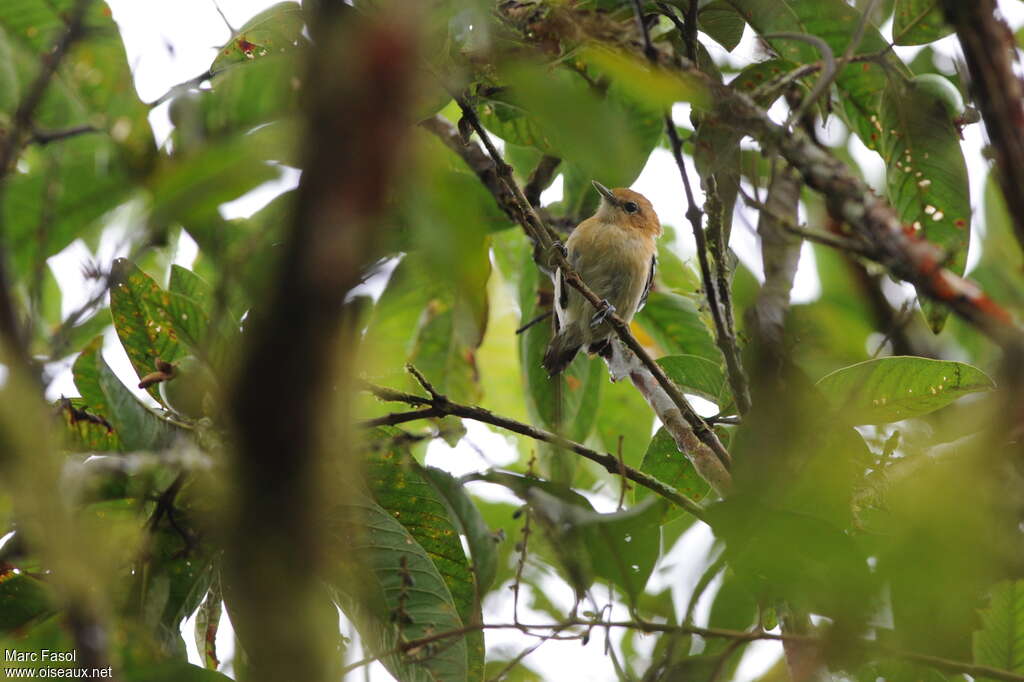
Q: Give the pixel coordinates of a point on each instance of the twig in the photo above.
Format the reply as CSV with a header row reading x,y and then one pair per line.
x,y
828,71
824,238
539,318
45,137
440,405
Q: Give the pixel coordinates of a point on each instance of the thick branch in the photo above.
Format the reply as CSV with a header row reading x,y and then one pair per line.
x,y
990,50
439,405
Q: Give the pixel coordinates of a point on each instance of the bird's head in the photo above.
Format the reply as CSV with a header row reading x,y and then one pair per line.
x,y
624,206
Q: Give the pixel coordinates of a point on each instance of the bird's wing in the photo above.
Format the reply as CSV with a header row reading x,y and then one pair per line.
x,y
649,283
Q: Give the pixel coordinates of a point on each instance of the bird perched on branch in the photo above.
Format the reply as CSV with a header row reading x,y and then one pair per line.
x,y
615,253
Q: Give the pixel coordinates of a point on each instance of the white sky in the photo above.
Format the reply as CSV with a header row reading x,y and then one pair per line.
x,y
170,42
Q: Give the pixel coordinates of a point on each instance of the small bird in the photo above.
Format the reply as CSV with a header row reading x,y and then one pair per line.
x,y
615,253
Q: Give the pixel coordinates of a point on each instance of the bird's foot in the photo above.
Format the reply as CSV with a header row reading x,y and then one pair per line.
x,y
603,311
560,247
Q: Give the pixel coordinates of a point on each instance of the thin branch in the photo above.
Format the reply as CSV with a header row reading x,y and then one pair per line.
x,y
828,71
717,300
440,405
45,137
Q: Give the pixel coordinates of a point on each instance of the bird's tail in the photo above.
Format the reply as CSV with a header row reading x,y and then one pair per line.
x,y
562,348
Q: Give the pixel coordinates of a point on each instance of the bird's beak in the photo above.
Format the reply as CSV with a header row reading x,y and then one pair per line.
x,y
606,193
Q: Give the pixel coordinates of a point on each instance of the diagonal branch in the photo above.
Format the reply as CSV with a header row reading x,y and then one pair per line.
x,y
718,297
439,405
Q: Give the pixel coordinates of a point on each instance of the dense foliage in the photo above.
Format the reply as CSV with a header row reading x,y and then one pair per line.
x,y
857,457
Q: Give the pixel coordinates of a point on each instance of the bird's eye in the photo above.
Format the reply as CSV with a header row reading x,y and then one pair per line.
x,y
631,207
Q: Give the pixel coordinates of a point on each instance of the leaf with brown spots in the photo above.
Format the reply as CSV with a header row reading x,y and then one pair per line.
x,y
143,319
916,22
399,485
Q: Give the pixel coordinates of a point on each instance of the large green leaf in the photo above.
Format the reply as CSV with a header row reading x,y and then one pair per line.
x,y
555,111
401,487
664,461
926,175
891,389
479,537
372,586
1000,641
722,23
916,22
676,325
698,375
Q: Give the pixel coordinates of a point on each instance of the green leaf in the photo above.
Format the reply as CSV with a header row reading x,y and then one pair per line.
x,y
23,599
189,284
555,111
834,21
143,319
926,175
1000,641
698,375
400,486
275,30
481,541
624,413
241,98
675,324
722,23
664,461
190,188
621,547
371,586
916,22
891,389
